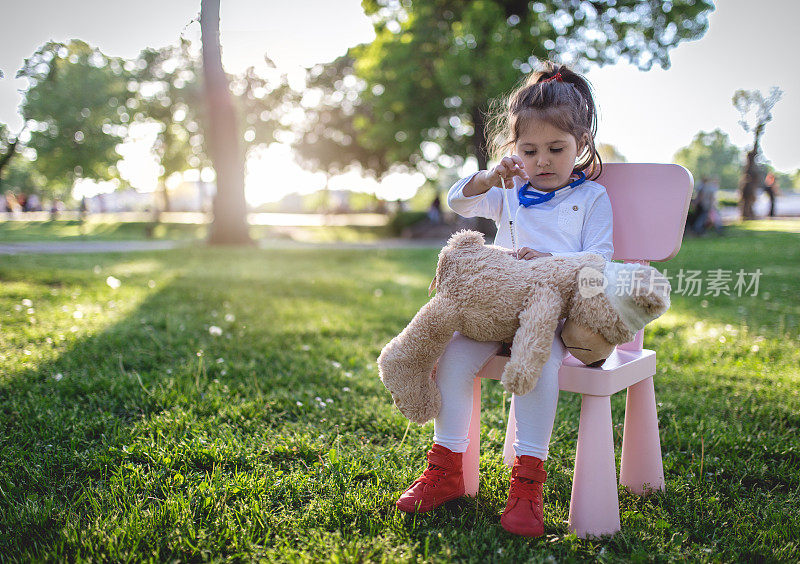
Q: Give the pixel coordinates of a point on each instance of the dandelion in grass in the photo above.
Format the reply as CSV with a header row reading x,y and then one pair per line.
x,y
151,284
17,307
299,403
306,347
30,311
215,331
345,389
230,318
220,360
58,377
336,364
27,303
348,374
77,314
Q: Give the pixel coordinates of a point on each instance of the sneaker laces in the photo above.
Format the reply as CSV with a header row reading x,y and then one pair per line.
x,y
433,474
524,488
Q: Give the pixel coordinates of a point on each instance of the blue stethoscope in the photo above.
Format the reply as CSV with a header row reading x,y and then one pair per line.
x,y
527,197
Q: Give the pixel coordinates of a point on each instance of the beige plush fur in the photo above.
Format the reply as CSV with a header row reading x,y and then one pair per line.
x,y
488,295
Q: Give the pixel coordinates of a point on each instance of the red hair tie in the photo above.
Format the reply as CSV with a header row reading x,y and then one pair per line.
x,y
557,77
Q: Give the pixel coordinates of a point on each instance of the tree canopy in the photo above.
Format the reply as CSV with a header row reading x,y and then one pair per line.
x,y
77,111
712,155
169,94
420,91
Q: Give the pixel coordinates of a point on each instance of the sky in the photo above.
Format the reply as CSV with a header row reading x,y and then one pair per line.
x,y
648,116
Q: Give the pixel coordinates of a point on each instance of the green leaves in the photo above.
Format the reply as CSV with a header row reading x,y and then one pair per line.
x,y
77,112
712,154
435,65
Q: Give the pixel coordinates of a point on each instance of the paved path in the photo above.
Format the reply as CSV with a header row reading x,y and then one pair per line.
x,y
379,244
66,247
785,206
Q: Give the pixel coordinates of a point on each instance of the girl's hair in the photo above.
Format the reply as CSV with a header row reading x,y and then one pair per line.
x,y
556,95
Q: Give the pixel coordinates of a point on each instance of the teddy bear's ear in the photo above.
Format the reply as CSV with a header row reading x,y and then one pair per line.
x,y
466,238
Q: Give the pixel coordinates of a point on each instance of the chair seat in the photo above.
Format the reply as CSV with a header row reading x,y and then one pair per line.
x,y
621,370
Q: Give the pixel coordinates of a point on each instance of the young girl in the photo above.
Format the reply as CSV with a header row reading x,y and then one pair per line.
x,y
549,123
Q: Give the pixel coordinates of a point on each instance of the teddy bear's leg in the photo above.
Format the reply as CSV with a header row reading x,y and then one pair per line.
x,y
532,342
406,363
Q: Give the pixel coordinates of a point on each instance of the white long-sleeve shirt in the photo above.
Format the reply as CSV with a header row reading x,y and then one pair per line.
x,y
577,220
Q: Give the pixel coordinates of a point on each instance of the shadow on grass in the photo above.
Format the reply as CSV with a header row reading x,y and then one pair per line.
x,y
74,426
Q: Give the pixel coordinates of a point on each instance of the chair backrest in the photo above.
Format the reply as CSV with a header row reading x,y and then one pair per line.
x,y
650,203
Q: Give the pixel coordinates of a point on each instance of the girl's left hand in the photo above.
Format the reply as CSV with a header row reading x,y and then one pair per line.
x,y
526,253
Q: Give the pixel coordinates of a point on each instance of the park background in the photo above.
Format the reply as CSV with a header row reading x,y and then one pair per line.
x,y
197,401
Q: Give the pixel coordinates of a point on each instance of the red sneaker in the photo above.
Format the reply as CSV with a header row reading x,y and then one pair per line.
x,y
442,481
524,512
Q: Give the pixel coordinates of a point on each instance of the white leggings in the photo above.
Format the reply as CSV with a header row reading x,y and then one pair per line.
x,y
535,411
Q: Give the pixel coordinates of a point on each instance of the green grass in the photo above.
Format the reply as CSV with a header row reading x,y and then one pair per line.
x,y
132,430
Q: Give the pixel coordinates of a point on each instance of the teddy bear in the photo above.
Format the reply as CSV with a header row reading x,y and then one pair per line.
x,y
486,294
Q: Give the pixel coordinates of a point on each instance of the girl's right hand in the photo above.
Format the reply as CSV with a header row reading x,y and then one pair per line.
x,y
507,169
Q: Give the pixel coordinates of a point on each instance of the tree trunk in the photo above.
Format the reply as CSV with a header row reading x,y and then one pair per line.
x,y
479,146
229,226
165,195
164,206
479,137
6,158
750,178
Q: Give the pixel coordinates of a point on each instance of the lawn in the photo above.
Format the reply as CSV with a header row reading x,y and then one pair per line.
x,y
218,404
109,229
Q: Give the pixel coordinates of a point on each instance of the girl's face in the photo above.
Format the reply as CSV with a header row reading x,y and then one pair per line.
x,y
548,154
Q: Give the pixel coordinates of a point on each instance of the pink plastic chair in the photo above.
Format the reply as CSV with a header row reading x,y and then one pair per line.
x,y
650,203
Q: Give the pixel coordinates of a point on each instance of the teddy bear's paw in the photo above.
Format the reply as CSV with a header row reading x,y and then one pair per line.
x,y
419,403
516,382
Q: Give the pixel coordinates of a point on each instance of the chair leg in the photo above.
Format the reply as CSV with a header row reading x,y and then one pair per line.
x,y
511,436
473,452
641,469
594,507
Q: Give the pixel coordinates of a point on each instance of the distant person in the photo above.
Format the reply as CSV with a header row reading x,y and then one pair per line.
x,y
22,200
12,203
34,203
83,209
435,210
705,202
55,207
772,190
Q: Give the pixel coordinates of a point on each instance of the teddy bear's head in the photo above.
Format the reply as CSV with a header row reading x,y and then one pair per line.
x,y
608,308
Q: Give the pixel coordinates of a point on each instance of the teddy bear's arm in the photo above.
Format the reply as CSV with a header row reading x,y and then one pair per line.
x,y
533,341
